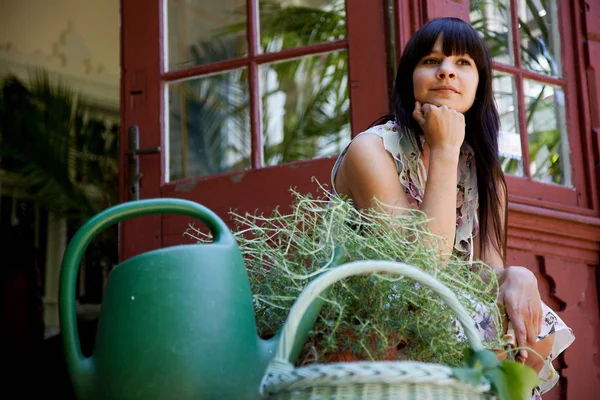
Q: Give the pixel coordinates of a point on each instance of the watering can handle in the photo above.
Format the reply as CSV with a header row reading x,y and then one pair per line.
x,y
317,286
76,362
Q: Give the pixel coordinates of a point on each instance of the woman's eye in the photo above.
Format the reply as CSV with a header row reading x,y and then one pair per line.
x,y
464,62
431,61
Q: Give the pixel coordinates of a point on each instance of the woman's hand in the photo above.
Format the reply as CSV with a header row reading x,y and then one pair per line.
x,y
521,298
444,128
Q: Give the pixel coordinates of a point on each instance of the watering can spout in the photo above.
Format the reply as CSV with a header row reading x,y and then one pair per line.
x,y
269,347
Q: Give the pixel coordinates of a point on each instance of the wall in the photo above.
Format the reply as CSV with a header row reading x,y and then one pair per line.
x,y
78,39
563,254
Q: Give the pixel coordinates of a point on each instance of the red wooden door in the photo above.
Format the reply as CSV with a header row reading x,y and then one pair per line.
x,y
237,101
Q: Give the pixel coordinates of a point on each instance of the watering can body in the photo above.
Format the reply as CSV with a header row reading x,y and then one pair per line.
x,y
172,327
175,323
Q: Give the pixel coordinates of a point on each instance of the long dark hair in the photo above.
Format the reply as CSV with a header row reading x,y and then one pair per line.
x,y
482,119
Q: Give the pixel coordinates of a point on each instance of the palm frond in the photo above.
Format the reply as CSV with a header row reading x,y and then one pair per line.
x,y
43,140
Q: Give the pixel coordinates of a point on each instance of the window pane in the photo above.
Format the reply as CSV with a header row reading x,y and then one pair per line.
x,y
491,18
547,133
286,24
305,107
511,155
540,36
202,32
208,125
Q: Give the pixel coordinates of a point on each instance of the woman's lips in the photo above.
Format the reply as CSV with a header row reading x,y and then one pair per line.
x,y
445,88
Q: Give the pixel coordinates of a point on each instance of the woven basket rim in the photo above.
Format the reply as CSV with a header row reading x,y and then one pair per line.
x,y
285,378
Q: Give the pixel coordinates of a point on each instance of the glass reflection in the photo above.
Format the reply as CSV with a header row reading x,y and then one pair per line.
x,y
511,154
208,125
305,107
540,36
286,24
547,133
491,18
202,32
539,33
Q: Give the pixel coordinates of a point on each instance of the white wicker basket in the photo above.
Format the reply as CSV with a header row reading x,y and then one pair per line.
x,y
405,380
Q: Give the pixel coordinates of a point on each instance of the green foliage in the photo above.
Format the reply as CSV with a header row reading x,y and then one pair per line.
x,y
316,101
288,26
65,160
367,316
509,379
217,123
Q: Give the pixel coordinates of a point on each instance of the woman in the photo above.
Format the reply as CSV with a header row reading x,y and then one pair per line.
x,y
438,151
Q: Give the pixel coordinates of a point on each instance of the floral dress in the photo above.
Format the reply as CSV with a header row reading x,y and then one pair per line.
x,y
413,176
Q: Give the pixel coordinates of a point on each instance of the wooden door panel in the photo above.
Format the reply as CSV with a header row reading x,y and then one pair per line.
x,y
447,8
258,190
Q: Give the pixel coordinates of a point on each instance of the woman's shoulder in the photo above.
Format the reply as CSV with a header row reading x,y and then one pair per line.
x,y
367,145
390,128
367,148
396,140
375,141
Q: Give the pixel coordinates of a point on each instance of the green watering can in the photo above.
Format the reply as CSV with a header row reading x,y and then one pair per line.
x,y
175,323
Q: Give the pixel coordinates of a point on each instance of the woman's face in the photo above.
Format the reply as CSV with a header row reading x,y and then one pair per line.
x,y
442,80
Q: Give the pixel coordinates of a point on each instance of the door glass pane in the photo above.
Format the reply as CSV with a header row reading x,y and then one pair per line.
x,y
286,24
202,32
491,18
540,36
305,107
208,125
511,155
547,133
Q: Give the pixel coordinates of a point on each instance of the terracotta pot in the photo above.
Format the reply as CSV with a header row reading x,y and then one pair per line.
x,y
396,343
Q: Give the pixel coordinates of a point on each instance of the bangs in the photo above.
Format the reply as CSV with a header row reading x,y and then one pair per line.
x,y
458,38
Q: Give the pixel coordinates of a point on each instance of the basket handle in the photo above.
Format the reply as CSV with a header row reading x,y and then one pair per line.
x,y
317,286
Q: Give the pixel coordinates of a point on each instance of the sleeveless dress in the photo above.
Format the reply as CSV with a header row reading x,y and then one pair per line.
x,y
412,175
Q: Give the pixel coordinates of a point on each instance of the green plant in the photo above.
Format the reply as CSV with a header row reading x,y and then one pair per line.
x,y
60,156
366,316
65,159
509,379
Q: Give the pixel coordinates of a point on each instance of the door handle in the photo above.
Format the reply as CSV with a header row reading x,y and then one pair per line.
x,y
133,153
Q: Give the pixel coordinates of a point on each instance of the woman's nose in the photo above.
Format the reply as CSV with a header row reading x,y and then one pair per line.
x,y
446,70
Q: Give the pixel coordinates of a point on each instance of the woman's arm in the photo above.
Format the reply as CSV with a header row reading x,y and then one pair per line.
x,y
518,293
368,171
